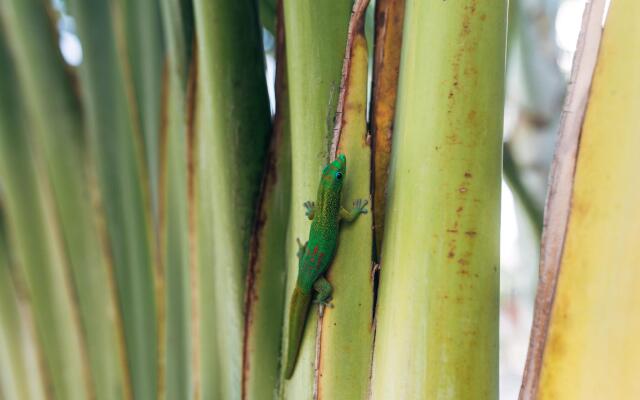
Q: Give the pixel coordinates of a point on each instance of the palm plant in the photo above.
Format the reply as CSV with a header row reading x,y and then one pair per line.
x,y
150,202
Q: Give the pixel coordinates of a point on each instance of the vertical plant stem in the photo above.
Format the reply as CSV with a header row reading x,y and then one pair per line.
x,y
558,205
346,329
316,34
437,330
591,345
264,299
233,127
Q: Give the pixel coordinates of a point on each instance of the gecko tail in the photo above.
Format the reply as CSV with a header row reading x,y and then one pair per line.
x,y
297,317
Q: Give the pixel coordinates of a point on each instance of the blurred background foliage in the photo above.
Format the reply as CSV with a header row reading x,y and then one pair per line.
x,y
109,104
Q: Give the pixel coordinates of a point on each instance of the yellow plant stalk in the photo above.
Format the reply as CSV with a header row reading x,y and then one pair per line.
x,y
561,179
592,349
437,315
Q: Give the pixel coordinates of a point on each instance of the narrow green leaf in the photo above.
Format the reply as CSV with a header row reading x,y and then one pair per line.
x,y
38,247
174,244
141,53
55,135
181,371
178,28
116,147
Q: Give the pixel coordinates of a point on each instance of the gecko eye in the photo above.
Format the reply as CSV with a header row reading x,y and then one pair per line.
x,y
339,175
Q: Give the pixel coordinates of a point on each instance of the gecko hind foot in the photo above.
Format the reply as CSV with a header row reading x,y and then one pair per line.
x,y
326,303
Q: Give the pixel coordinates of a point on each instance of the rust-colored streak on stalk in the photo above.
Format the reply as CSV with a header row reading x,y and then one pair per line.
x,y
558,207
386,67
190,113
269,180
251,295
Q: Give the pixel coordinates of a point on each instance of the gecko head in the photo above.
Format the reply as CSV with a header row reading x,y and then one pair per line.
x,y
334,173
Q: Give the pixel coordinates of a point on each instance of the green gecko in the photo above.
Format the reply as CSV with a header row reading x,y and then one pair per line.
x,y
316,255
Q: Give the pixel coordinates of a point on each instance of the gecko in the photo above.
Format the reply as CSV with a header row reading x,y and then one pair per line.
x,y
315,256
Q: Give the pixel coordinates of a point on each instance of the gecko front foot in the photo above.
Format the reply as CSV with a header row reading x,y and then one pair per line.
x,y
309,207
359,206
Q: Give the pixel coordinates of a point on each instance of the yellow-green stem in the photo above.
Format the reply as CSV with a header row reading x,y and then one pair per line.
x,y
232,133
437,330
316,34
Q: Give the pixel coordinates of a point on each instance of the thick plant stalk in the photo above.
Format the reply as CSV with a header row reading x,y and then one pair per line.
x,y
590,348
346,333
313,68
264,299
556,215
437,316
233,127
